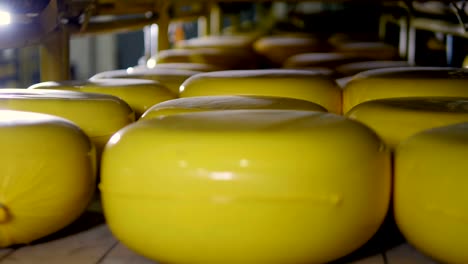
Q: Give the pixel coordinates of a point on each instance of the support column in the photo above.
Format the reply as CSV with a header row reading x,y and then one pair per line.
x,y
412,45
163,26
403,42
216,23
55,56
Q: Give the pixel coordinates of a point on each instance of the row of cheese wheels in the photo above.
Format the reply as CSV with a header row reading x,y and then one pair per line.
x,y
286,180
280,50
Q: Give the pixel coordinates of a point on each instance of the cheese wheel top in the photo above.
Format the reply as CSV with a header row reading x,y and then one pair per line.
x,y
191,66
139,94
300,84
210,103
171,78
224,41
97,114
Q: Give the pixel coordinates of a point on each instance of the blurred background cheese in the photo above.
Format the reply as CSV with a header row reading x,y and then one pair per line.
x,y
48,175
253,184
278,48
228,102
431,202
99,115
325,59
299,84
371,50
171,78
396,119
350,69
405,82
201,67
222,58
139,94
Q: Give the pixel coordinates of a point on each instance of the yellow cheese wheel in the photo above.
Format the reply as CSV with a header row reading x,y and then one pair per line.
x,y
399,118
171,78
99,115
222,58
228,102
221,41
324,59
405,82
48,175
201,67
277,49
245,186
139,94
299,84
353,68
431,202
372,50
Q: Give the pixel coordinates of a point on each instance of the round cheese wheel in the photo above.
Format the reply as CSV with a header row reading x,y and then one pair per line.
x,y
277,49
399,118
353,68
99,115
372,50
324,59
48,175
299,84
245,186
228,102
221,42
405,82
201,67
171,78
222,58
139,94
431,202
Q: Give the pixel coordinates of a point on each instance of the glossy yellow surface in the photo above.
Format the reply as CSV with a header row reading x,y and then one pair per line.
x,y
277,49
48,174
431,202
245,186
399,118
171,78
299,84
228,102
99,115
139,94
324,59
405,82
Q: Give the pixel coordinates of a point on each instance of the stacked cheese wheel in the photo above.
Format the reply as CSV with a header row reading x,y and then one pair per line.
x,y
99,115
48,175
431,202
139,94
228,102
190,66
405,82
396,119
278,48
171,78
299,84
227,52
245,186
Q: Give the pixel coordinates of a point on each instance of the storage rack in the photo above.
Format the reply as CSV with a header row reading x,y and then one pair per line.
x,y
51,23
